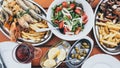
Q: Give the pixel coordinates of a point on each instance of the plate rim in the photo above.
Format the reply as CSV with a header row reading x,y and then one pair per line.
x,y
105,56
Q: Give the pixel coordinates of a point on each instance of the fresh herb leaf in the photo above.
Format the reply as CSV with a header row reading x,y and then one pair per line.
x,y
76,16
22,13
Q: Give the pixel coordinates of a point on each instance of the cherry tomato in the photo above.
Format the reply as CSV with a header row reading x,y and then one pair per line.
x,y
72,6
77,31
61,24
56,21
77,10
66,30
58,9
64,4
84,18
69,17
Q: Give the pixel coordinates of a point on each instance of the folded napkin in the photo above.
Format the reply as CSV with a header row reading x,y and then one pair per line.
x,y
6,49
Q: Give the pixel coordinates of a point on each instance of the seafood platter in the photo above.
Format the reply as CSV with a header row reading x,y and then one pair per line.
x,y
20,18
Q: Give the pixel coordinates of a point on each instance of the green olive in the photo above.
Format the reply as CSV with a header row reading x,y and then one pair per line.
x,y
86,46
84,55
84,43
83,46
72,56
79,57
81,54
76,55
84,51
77,51
76,48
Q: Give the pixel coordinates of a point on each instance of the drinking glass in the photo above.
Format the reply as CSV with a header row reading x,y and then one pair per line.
x,y
25,53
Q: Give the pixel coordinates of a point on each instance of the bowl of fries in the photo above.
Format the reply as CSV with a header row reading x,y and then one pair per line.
x,y
19,20
106,28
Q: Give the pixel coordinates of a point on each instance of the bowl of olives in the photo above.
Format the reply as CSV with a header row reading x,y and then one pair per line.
x,y
79,52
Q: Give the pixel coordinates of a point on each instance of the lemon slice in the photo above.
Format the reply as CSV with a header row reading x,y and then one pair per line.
x,y
62,55
49,63
53,53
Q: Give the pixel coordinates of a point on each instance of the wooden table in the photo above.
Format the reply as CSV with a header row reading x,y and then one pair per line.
x,y
45,4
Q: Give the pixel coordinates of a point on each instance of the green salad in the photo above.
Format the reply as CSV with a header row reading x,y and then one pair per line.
x,y
69,17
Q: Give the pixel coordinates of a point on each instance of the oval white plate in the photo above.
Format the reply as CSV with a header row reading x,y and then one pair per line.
x,y
88,26
101,61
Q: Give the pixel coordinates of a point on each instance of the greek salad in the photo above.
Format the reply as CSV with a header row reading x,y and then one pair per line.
x,y
70,17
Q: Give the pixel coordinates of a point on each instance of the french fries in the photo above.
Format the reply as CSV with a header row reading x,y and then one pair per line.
x,y
109,34
35,36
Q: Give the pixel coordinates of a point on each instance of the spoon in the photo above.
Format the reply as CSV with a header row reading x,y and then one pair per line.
x,y
74,60
44,19
46,29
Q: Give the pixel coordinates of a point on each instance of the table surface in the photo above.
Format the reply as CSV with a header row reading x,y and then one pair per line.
x,y
45,4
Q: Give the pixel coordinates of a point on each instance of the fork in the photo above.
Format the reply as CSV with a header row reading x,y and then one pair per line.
x,y
73,60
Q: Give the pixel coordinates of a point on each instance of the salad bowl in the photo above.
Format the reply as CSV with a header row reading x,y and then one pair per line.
x,y
66,30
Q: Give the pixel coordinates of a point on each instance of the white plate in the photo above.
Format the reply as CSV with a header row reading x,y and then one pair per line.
x,y
101,61
6,49
87,8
